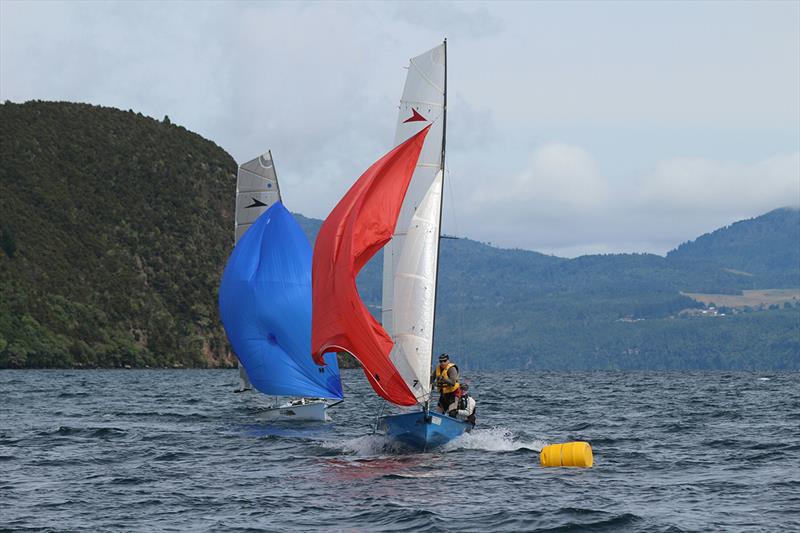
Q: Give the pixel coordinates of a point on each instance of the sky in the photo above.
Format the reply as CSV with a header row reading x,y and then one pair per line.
x,y
573,127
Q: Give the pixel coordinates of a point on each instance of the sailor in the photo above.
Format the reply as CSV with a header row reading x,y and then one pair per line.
x,y
446,379
464,406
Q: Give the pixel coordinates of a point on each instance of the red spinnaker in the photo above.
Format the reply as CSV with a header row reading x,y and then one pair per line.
x,y
360,224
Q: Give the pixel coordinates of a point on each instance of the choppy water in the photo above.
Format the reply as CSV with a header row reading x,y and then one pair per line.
x,y
164,450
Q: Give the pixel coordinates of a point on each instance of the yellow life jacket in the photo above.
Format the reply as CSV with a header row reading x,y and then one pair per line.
x,y
447,389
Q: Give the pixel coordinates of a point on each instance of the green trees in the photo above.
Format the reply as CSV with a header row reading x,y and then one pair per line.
x,y
127,226
8,242
115,229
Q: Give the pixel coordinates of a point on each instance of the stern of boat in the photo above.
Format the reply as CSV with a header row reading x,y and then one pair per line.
x,y
297,410
422,431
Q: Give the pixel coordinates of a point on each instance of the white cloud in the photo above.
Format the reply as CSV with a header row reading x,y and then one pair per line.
x,y
318,84
691,184
561,204
561,180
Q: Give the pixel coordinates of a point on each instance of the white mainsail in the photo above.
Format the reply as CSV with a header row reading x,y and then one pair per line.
x,y
410,258
256,190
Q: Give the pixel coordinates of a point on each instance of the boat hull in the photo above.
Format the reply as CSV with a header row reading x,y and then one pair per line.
x,y
422,431
295,410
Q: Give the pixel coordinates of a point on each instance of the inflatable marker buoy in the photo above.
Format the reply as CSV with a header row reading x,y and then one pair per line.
x,y
567,454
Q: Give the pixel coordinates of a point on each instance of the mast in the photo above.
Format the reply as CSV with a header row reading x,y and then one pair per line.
x,y
275,173
441,203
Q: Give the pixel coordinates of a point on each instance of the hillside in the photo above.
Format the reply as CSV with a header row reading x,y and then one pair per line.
x,y
114,229
767,246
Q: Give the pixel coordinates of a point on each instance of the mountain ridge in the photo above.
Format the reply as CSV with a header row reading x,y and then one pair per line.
x,y
115,227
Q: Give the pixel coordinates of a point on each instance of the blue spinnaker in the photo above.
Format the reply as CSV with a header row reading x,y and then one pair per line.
x,y
265,304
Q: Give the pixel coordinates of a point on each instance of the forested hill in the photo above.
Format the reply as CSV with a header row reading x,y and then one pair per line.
x,y
767,246
500,307
114,230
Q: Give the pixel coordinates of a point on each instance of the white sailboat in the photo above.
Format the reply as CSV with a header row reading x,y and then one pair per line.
x,y
411,258
396,203
256,191
265,301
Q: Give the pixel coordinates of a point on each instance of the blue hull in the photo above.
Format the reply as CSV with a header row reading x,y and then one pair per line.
x,y
422,432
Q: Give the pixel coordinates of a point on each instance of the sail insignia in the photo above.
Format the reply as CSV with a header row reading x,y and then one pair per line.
x,y
256,203
415,117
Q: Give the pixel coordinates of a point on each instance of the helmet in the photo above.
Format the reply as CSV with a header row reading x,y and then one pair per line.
x,y
443,357
464,388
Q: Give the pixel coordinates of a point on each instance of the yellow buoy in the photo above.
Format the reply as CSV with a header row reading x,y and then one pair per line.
x,y
567,454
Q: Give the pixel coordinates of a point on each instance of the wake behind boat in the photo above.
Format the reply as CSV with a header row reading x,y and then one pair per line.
x,y
265,301
397,202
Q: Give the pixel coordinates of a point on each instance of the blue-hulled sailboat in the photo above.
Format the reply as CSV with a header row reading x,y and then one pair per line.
x,y
397,203
265,301
411,258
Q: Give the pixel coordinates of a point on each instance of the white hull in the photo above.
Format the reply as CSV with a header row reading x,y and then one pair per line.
x,y
302,409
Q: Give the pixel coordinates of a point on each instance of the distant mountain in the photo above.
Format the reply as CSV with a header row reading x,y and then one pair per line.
x,y
500,307
114,230
767,246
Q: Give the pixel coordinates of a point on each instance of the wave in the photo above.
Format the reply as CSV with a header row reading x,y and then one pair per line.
x,y
74,394
562,520
89,432
496,439
367,445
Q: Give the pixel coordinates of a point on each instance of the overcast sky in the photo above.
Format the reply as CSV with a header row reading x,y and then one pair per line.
x,y
573,127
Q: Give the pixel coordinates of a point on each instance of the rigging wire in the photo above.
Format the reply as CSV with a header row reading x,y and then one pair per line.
x,y
378,417
381,407
459,319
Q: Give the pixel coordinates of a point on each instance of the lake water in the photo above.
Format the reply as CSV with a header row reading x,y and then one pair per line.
x,y
168,450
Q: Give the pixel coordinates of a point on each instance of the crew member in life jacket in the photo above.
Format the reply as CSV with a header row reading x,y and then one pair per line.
x,y
446,379
464,407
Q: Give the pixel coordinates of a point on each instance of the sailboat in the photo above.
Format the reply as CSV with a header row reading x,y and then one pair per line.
x,y
397,202
265,301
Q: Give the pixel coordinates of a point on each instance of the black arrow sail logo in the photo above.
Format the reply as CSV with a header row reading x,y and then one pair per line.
x,y
256,203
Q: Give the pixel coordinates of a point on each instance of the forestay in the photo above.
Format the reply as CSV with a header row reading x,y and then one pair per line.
x,y
410,258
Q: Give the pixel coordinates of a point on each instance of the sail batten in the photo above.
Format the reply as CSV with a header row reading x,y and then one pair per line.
x,y
424,75
256,191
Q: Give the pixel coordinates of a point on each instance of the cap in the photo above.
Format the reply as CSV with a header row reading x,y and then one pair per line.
x,y
444,357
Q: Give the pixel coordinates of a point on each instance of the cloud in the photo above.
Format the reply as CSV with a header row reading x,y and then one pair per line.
x,y
477,22
560,203
691,184
561,180
318,82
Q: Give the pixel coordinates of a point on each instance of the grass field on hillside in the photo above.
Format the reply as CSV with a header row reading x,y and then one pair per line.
x,y
755,298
